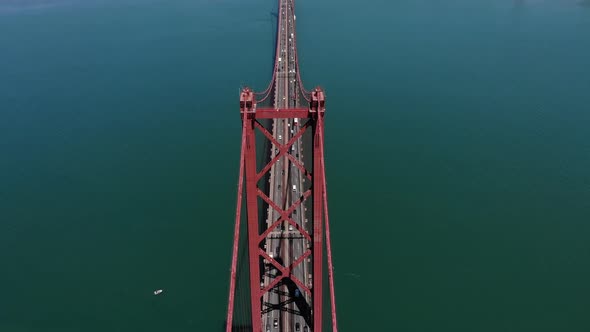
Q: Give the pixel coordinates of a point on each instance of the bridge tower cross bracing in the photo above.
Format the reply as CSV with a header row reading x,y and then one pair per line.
x,y
285,249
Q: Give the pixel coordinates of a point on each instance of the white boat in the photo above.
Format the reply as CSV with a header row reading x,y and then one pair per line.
x,y
158,291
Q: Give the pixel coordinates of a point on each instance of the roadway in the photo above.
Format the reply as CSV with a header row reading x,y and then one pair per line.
x,y
286,183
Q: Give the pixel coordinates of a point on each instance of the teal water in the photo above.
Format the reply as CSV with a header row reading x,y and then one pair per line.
x,y
458,160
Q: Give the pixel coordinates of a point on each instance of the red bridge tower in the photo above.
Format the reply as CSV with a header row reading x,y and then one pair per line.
x,y
286,201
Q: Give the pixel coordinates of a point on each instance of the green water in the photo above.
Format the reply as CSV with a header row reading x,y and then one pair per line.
x,y
458,159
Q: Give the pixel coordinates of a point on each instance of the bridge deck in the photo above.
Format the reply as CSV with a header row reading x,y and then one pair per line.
x,y
286,187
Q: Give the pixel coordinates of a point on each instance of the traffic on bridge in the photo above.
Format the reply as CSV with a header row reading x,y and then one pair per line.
x,y
286,237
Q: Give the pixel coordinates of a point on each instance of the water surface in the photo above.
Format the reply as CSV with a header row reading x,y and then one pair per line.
x,y
458,160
